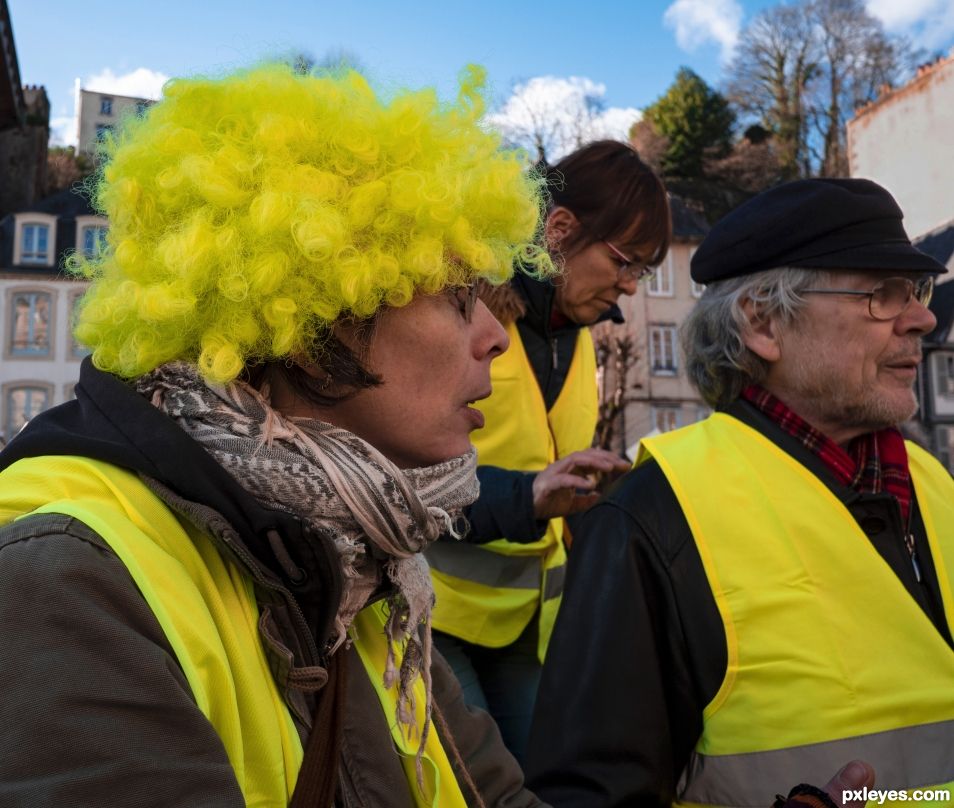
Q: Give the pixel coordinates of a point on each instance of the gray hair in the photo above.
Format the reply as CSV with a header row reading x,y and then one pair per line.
x,y
717,360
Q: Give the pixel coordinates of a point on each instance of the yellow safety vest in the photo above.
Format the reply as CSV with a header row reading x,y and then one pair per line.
x,y
488,593
206,607
829,657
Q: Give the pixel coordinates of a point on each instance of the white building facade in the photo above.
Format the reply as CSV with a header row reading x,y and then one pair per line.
x,y
98,113
40,358
905,142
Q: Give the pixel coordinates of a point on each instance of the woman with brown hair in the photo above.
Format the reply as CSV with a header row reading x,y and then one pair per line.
x,y
607,226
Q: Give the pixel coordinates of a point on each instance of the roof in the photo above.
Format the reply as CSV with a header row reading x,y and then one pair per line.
x,y
939,243
68,202
687,224
65,206
84,91
942,305
926,73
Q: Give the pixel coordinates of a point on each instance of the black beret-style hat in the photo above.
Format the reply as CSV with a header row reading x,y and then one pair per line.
x,y
820,223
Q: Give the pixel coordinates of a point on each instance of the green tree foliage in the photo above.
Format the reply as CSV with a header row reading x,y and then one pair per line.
x,y
696,122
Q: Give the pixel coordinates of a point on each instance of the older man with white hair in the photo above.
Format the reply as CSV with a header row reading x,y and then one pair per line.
x,y
768,593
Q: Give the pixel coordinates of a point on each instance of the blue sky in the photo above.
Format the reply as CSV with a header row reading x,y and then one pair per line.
x,y
630,47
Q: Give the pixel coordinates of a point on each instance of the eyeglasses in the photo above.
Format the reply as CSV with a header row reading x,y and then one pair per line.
x,y
466,298
628,269
890,297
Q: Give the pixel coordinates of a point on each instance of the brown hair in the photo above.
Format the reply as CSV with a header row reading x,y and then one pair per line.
x,y
344,370
615,196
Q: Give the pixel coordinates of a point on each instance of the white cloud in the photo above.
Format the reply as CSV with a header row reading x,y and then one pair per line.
x,y
900,13
63,130
614,123
929,23
559,114
139,83
697,22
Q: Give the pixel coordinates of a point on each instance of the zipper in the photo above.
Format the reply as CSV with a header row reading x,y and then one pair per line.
x,y
553,353
909,543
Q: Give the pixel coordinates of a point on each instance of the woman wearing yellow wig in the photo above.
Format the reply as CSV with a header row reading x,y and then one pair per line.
x,y
211,591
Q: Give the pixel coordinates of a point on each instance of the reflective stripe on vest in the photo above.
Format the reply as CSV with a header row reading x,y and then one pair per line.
x,y
495,570
829,657
744,779
205,606
488,593
440,783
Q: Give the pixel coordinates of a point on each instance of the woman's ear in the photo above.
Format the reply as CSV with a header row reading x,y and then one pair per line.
x,y
761,333
561,223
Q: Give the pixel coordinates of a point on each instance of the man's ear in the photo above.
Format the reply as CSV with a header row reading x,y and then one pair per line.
x,y
761,333
561,223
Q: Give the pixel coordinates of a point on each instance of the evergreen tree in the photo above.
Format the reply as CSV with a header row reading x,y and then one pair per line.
x,y
696,122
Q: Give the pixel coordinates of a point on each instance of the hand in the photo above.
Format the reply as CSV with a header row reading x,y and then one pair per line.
x,y
853,777
563,487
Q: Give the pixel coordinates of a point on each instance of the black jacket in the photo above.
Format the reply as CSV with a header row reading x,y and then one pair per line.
x,y
505,507
639,647
95,708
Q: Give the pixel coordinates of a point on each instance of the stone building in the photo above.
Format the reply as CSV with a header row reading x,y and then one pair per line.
x,y
24,128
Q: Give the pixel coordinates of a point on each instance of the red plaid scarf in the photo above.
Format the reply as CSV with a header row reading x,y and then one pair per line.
x,y
872,463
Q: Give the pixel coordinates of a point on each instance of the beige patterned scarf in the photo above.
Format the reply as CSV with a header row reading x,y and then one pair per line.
x,y
379,517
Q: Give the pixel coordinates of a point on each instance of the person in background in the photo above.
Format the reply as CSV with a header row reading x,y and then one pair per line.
x,y
211,587
498,590
768,593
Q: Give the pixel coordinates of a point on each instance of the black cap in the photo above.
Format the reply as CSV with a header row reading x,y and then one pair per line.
x,y
820,223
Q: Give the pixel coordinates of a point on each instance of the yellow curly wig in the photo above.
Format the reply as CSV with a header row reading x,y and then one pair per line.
x,y
249,213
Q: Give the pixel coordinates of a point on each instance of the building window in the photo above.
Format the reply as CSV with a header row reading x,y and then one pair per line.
x,y
665,419
696,289
703,412
662,350
105,105
91,234
35,244
94,239
944,435
944,374
21,403
141,106
660,285
103,129
30,324
77,351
